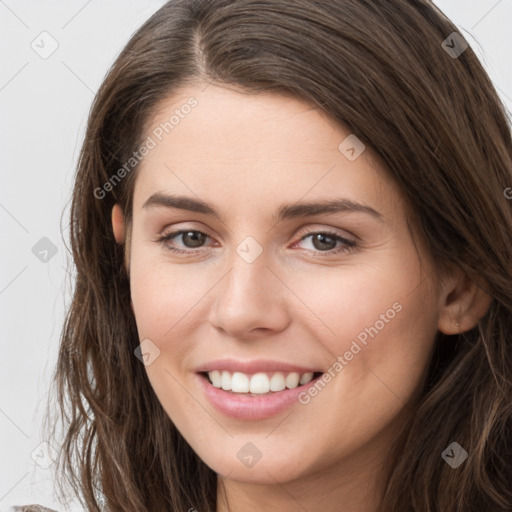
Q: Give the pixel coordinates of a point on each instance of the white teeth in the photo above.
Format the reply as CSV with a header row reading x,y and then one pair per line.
x,y
226,381
292,380
239,383
305,378
258,383
216,378
277,382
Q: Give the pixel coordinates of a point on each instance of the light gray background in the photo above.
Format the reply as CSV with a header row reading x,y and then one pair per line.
x,y
44,105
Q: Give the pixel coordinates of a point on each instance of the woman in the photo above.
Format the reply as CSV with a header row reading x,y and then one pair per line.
x,y
292,240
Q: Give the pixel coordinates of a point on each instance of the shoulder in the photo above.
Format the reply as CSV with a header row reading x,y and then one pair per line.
x,y
30,508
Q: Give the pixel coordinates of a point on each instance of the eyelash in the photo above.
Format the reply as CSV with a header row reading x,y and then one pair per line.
x,y
348,247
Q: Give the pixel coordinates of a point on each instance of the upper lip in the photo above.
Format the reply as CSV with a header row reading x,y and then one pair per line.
x,y
254,366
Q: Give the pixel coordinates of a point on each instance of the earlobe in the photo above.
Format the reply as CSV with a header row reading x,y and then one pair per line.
x,y
118,226
465,304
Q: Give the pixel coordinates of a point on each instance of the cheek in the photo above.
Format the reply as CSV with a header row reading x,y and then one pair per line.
x,y
163,294
378,324
389,306
386,338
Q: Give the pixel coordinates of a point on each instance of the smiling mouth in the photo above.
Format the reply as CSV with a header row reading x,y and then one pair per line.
x,y
257,384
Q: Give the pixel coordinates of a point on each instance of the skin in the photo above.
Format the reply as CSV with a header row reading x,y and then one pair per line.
x,y
246,155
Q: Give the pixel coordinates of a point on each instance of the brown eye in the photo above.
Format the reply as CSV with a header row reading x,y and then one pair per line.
x,y
326,243
191,239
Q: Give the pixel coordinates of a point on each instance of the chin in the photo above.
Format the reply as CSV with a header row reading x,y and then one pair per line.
x,y
244,462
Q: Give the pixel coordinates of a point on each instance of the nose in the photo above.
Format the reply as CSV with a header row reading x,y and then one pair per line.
x,y
250,300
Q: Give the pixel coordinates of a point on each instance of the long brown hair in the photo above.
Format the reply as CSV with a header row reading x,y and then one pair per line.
x,y
381,69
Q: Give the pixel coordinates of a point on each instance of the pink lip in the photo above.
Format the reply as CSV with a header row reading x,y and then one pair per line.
x,y
251,408
255,366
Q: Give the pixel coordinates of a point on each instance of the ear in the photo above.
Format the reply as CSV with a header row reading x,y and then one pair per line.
x,y
463,302
118,224
121,234
119,230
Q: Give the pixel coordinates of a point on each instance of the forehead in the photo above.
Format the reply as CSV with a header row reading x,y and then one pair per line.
x,y
247,149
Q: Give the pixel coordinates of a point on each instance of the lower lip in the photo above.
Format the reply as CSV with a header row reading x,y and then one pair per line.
x,y
252,408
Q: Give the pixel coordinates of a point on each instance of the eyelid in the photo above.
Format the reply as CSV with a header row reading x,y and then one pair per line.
x,y
304,229
173,228
316,228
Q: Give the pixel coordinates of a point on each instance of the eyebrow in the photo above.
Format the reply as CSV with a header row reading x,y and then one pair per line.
x,y
284,212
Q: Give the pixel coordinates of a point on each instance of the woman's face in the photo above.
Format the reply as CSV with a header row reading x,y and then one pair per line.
x,y
270,289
